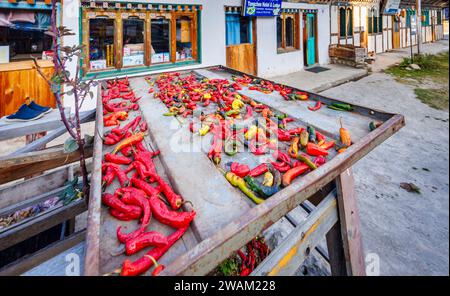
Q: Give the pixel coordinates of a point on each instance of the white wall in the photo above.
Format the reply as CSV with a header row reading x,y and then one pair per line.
x,y
213,50
270,63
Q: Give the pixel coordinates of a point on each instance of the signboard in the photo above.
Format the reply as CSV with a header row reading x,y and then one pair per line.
x,y
262,7
413,24
391,6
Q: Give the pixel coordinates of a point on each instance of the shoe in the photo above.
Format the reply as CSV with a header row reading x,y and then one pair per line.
x,y
24,114
39,108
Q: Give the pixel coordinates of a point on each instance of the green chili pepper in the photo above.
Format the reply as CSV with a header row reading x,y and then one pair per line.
x,y
312,134
307,161
232,112
340,107
169,114
230,147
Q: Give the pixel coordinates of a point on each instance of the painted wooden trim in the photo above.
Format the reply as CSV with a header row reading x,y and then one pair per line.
x,y
350,223
293,251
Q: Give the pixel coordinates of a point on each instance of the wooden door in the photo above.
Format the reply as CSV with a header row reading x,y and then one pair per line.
x,y
241,43
20,82
395,33
311,38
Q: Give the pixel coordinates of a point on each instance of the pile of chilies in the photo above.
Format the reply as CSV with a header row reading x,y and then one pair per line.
x,y
136,198
308,148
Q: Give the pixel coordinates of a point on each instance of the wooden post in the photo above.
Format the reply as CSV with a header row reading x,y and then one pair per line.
x,y
345,242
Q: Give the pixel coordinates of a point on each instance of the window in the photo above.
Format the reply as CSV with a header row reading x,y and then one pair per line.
x,y
133,42
288,31
279,32
345,22
238,29
160,44
132,37
183,40
24,33
375,22
425,17
439,17
101,43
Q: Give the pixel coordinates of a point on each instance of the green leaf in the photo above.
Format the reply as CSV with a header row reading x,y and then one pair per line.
x,y
88,140
70,145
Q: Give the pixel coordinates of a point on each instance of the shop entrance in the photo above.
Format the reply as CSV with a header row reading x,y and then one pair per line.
x,y
309,39
395,32
241,43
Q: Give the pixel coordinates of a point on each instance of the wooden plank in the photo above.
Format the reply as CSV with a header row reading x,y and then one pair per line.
x,y
30,201
294,250
28,262
20,232
336,251
350,223
92,261
84,117
48,122
53,159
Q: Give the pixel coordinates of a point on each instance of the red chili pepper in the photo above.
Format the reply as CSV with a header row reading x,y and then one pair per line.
x,y
257,149
245,271
136,123
314,150
320,160
115,203
259,170
327,145
117,159
145,239
126,151
249,113
320,136
174,199
144,186
168,217
240,170
286,120
282,167
137,197
108,177
133,215
123,178
146,157
142,264
158,270
143,126
316,107
283,136
281,156
151,90
295,131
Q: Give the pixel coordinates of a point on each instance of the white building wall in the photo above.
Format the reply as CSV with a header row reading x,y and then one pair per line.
x,y
213,47
271,63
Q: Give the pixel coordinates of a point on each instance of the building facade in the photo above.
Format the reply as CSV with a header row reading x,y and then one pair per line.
x,y
366,24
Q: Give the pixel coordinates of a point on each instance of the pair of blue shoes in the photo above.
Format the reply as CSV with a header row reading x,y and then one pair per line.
x,y
29,112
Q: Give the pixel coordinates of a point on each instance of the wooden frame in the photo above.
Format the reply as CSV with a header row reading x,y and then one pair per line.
x,y
146,16
295,31
20,195
343,236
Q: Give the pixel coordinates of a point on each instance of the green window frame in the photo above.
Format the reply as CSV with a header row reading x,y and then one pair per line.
x,y
345,28
426,22
439,17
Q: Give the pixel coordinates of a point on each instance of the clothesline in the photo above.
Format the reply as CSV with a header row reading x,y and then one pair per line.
x,y
25,20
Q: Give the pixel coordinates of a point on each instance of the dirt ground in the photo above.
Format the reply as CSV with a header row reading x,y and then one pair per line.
x,y
408,231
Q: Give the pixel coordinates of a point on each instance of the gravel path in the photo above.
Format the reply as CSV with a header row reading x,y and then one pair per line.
x,y
408,231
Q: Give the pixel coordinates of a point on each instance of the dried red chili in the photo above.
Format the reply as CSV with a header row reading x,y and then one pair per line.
x,y
145,239
168,217
142,264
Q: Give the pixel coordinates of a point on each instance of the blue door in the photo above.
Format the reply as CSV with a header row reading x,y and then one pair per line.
x,y
311,39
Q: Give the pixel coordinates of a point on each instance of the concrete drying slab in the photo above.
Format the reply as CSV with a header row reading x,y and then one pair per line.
x,y
190,171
